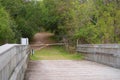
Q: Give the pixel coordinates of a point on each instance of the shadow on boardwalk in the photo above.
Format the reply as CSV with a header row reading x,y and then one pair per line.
x,y
70,70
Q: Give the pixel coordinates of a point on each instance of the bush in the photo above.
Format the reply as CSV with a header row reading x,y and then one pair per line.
x,y
6,33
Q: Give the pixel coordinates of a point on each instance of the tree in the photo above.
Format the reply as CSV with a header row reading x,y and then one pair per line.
x,y
98,17
6,33
25,14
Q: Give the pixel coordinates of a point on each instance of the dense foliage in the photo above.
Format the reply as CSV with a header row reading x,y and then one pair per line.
x,y
22,19
89,21
6,33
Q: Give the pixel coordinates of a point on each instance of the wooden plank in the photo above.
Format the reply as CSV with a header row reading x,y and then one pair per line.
x,y
100,48
108,54
12,58
70,70
47,44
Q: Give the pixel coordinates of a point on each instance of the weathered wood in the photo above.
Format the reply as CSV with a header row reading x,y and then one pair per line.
x,y
108,54
13,60
47,44
70,70
40,46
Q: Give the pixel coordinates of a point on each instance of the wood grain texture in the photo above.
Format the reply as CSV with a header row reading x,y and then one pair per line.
x,y
108,54
70,70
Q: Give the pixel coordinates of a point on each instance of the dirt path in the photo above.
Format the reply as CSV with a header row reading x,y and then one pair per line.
x,y
42,38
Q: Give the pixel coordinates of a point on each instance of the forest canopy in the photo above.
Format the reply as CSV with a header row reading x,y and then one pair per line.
x,y
89,21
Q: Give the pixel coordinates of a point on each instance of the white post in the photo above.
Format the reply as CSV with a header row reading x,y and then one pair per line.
x,y
24,41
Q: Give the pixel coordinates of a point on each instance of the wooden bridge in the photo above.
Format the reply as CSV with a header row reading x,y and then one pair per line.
x,y
70,70
14,60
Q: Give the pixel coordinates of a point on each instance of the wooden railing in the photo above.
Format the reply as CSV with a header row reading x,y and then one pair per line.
x,y
108,54
13,61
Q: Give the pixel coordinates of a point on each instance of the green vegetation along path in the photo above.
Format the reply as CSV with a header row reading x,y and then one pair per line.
x,y
54,53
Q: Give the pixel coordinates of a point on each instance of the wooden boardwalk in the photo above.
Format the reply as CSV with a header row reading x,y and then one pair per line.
x,y
70,70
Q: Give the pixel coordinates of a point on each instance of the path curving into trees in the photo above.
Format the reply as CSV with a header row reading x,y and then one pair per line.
x,y
42,38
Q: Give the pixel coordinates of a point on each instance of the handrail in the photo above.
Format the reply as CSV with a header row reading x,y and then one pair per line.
x,y
108,54
11,56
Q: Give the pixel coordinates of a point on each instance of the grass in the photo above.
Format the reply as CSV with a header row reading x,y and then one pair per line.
x,y
55,53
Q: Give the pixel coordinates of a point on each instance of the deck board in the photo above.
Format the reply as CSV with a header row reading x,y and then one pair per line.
x,y
70,70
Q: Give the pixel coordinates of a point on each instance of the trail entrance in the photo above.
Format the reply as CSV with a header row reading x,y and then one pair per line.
x,y
41,40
